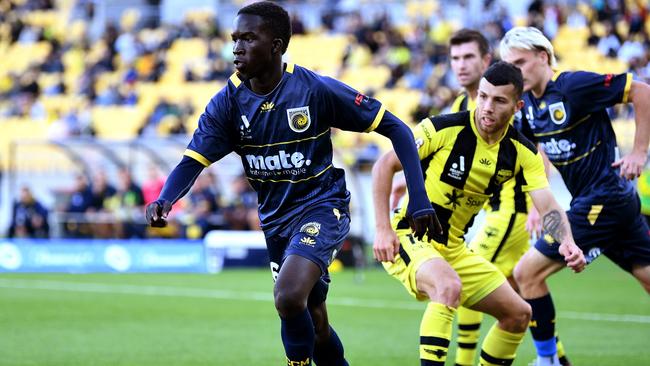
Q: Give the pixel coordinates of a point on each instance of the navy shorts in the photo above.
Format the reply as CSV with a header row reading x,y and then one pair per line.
x,y
616,229
317,235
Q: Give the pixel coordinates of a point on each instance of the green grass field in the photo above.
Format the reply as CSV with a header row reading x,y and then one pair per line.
x,y
229,319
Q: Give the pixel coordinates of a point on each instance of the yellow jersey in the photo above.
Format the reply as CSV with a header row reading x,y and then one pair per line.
x,y
462,171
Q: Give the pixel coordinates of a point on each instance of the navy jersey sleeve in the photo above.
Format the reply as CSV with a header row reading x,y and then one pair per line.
x,y
590,92
350,110
213,138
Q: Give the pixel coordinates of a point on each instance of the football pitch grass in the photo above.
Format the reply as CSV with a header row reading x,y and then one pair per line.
x,y
229,319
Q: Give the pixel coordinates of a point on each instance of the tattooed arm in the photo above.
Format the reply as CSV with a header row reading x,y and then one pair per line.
x,y
556,224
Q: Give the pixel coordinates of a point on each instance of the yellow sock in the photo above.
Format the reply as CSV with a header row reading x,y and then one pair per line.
x,y
500,347
435,333
469,323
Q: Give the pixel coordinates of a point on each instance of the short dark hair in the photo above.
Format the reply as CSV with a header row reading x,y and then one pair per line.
x,y
466,35
276,19
504,73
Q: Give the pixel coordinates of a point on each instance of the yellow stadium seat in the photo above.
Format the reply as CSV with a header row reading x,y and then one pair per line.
x,y
117,122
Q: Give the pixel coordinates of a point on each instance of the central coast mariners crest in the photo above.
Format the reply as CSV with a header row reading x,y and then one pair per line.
x,y
299,119
557,113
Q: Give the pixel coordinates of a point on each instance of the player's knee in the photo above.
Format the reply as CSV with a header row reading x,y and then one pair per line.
x,y
289,302
523,278
517,319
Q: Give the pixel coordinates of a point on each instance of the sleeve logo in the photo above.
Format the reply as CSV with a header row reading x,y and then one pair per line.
x,y
299,119
557,113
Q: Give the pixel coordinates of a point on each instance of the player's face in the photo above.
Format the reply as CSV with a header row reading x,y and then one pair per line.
x,y
495,106
467,63
253,46
533,65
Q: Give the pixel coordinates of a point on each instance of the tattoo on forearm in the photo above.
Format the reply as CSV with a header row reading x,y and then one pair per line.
x,y
552,224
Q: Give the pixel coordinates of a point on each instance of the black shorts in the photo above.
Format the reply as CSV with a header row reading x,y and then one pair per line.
x,y
614,228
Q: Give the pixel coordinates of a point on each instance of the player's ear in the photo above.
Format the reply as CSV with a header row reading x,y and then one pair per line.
x,y
519,105
277,45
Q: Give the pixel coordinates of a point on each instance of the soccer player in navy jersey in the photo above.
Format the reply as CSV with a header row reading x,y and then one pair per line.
x,y
566,112
277,117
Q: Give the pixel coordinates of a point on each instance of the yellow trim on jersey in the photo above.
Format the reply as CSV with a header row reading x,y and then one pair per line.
x,y
578,157
471,103
198,157
289,180
628,86
290,67
593,213
290,142
377,119
564,129
235,80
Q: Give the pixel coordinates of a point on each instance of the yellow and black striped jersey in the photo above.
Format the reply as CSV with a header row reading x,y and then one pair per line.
x,y
462,171
510,198
463,102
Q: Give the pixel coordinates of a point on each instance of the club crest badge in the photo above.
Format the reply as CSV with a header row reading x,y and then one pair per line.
x,y
557,113
299,119
311,228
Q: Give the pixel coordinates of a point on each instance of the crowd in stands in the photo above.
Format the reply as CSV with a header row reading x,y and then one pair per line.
x,y
112,70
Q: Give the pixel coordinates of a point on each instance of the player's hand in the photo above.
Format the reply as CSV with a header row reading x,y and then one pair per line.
x,y
156,213
573,256
631,165
386,245
426,224
534,223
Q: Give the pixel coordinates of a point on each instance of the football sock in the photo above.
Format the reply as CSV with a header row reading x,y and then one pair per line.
x,y
435,333
500,346
298,338
330,352
542,325
561,354
469,323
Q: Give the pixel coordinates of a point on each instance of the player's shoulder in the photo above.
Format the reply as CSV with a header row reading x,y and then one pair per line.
x,y
444,121
569,79
460,103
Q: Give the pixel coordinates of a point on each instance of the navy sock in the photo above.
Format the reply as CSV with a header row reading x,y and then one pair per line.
x,y
542,325
330,352
298,338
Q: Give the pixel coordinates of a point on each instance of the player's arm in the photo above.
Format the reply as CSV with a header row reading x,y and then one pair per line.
x,y
556,224
211,141
633,163
421,214
386,244
534,220
178,183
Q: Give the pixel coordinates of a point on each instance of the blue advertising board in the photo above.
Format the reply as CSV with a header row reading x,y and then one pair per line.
x,y
82,256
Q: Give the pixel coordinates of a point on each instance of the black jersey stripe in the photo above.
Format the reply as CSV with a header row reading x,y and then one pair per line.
x,y
450,120
522,139
511,223
461,156
463,104
520,195
505,166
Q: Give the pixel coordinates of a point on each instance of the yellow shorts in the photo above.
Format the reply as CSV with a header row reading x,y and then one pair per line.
x,y
502,240
478,276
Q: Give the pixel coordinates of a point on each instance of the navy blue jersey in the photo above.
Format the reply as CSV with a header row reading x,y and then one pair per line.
x,y
283,138
571,123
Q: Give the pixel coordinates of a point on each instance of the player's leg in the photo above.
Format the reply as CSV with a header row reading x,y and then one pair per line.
x,y
485,289
501,240
427,276
441,284
328,348
512,314
302,279
296,279
531,273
